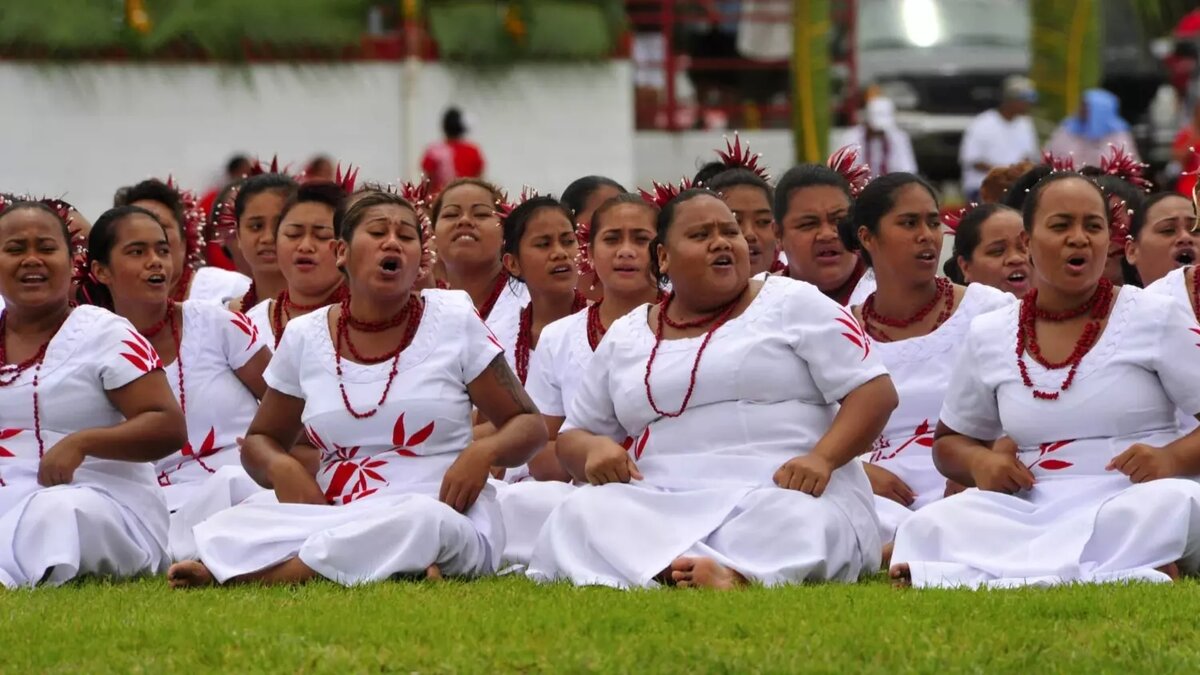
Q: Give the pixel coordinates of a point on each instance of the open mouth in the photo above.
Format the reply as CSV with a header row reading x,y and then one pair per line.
x,y
561,269
464,234
267,254
723,261
1076,263
156,279
304,263
33,278
828,253
927,256
390,265
1185,256
1017,277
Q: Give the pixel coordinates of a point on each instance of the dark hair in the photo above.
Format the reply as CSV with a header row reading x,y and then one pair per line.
x,y
101,240
517,221
235,162
708,172
1018,192
967,236
14,204
214,215
154,190
873,203
1138,220
256,185
611,203
806,176
436,209
666,218
346,219
320,192
452,124
739,178
581,189
1035,195
1126,191
998,181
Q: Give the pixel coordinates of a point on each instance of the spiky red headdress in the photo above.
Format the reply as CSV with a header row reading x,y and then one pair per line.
x,y
1119,217
665,192
1058,162
953,218
737,156
194,224
348,180
505,207
583,234
1122,164
845,162
419,194
226,220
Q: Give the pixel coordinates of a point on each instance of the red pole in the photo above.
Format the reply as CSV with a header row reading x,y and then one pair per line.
x,y
668,29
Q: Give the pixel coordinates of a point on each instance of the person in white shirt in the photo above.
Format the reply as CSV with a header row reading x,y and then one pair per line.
x,y
886,148
1000,136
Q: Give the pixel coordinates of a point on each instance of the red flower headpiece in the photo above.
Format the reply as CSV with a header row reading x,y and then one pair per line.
x,y
226,223
256,169
194,224
348,180
1120,163
665,192
1119,217
583,233
845,162
420,195
953,218
737,156
504,207
1058,162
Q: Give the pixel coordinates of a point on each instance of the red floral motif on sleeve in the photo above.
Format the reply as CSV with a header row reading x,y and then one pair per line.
x,y
247,326
142,354
1050,463
856,334
404,444
352,476
922,436
6,434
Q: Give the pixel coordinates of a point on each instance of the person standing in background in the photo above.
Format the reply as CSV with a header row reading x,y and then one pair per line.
x,y
1000,136
886,148
453,158
1095,126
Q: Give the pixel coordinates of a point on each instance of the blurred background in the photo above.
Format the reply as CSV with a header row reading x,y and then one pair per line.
x,y
100,93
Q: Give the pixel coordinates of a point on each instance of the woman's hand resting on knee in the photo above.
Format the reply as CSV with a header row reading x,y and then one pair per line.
x,y
608,462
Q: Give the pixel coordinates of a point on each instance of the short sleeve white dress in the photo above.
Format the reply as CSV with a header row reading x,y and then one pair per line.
x,y
1080,522
1175,286
112,518
213,284
766,391
380,474
921,369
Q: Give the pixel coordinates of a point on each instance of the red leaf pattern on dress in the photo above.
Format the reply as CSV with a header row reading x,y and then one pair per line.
x,y
6,434
207,449
922,435
1197,332
247,326
857,336
1050,463
143,356
403,446
351,476
314,438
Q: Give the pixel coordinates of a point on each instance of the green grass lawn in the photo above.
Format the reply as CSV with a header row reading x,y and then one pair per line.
x,y
509,624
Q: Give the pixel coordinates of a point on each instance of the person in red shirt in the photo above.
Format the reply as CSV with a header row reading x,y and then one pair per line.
x,y
453,158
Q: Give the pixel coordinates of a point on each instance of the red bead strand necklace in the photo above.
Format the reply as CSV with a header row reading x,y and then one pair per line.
x,y
412,312
717,319
525,334
488,305
1098,306
10,373
943,295
283,308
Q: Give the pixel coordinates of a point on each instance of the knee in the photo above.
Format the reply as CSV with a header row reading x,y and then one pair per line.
x,y
55,505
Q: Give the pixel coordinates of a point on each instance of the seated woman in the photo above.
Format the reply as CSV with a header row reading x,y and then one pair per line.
x,y
749,196
990,249
1163,245
214,361
918,321
85,408
256,211
386,396
1094,493
743,468
619,252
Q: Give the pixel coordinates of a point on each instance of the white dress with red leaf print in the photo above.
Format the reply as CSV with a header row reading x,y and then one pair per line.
x,y
260,317
1175,285
921,368
766,392
505,319
1080,522
213,284
381,475
111,519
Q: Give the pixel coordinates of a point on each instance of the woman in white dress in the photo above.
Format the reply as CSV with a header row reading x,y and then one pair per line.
x,y
85,408
749,196
917,321
257,210
386,395
466,225
990,249
744,465
619,251
305,257
810,201
184,221
214,364
1162,241
1095,492
582,197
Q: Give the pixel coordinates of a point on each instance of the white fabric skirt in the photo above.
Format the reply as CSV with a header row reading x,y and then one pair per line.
x,y
52,535
371,539
918,472
525,507
229,486
1068,529
624,535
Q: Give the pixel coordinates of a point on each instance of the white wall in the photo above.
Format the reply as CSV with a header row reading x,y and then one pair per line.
x,y
81,131
665,156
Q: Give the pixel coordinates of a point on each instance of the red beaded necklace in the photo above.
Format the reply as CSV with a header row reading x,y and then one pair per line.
x,y
595,327
525,334
1195,292
488,305
250,299
9,373
411,312
169,320
1098,306
717,320
944,293
282,309
185,283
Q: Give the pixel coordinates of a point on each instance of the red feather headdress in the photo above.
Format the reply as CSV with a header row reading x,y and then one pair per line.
x,y
1058,162
665,192
737,156
226,220
1120,163
505,207
194,224
953,218
348,180
845,162
1119,218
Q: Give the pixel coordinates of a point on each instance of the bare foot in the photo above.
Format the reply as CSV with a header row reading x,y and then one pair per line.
x,y
433,573
887,554
1171,570
901,575
704,573
189,574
